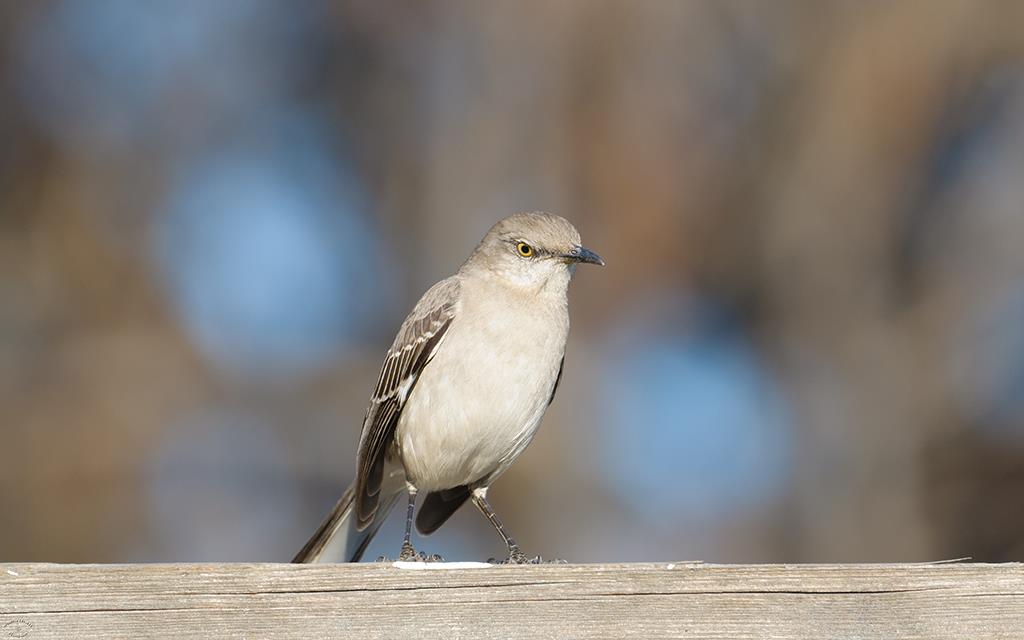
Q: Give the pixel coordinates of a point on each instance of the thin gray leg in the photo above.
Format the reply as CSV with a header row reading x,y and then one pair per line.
x,y
408,552
515,554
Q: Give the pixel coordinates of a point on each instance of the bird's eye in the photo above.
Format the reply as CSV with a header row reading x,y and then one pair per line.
x,y
524,249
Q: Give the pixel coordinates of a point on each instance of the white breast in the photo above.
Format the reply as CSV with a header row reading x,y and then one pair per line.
x,y
480,400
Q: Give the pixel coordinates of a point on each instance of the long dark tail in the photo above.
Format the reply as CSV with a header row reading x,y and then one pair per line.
x,y
337,539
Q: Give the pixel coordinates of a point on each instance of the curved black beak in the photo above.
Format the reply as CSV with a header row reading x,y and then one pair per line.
x,y
583,254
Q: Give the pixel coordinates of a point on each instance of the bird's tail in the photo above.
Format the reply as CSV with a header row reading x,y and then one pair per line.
x,y
337,539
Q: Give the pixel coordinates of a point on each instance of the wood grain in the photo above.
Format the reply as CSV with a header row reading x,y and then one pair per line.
x,y
665,600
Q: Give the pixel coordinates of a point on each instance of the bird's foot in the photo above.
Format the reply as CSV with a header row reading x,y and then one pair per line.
x,y
419,557
516,556
521,558
409,554
517,559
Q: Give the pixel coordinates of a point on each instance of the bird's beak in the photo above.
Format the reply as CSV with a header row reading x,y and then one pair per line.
x,y
583,254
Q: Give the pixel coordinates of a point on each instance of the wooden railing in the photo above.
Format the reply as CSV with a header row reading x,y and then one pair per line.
x,y
663,600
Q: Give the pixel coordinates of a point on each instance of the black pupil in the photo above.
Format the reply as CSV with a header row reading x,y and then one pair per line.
x,y
525,249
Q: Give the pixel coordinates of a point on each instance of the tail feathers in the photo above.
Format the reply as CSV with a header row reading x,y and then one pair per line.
x,y
337,539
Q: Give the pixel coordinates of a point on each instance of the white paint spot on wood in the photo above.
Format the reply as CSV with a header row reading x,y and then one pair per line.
x,y
420,566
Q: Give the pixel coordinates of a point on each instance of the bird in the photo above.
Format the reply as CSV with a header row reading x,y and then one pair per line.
x,y
462,390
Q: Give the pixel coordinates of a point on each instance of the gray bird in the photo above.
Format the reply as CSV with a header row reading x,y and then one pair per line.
x,y
463,387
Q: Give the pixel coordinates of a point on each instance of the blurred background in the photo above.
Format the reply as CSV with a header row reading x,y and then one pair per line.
x,y
807,346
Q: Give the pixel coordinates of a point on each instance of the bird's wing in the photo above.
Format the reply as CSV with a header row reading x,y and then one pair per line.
x,y
416,343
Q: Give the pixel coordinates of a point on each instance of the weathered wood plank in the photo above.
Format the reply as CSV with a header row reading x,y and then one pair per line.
x,y
692,600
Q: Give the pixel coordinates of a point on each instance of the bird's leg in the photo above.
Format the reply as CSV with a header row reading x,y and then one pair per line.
x,y
408,552
515,554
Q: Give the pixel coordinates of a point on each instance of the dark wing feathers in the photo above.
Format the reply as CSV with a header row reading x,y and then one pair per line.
x,y
438,506
414,346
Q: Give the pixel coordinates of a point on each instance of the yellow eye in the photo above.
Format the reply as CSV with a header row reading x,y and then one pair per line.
x,y
524,249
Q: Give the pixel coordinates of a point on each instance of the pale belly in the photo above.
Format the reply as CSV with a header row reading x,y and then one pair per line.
x,y
466,420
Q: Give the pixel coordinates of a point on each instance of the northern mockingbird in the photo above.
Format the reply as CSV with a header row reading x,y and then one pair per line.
x,y
463,387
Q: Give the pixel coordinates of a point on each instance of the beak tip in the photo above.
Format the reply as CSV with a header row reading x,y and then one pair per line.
x,y
583,254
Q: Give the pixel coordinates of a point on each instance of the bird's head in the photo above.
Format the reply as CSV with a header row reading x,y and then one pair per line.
x,y
531,250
